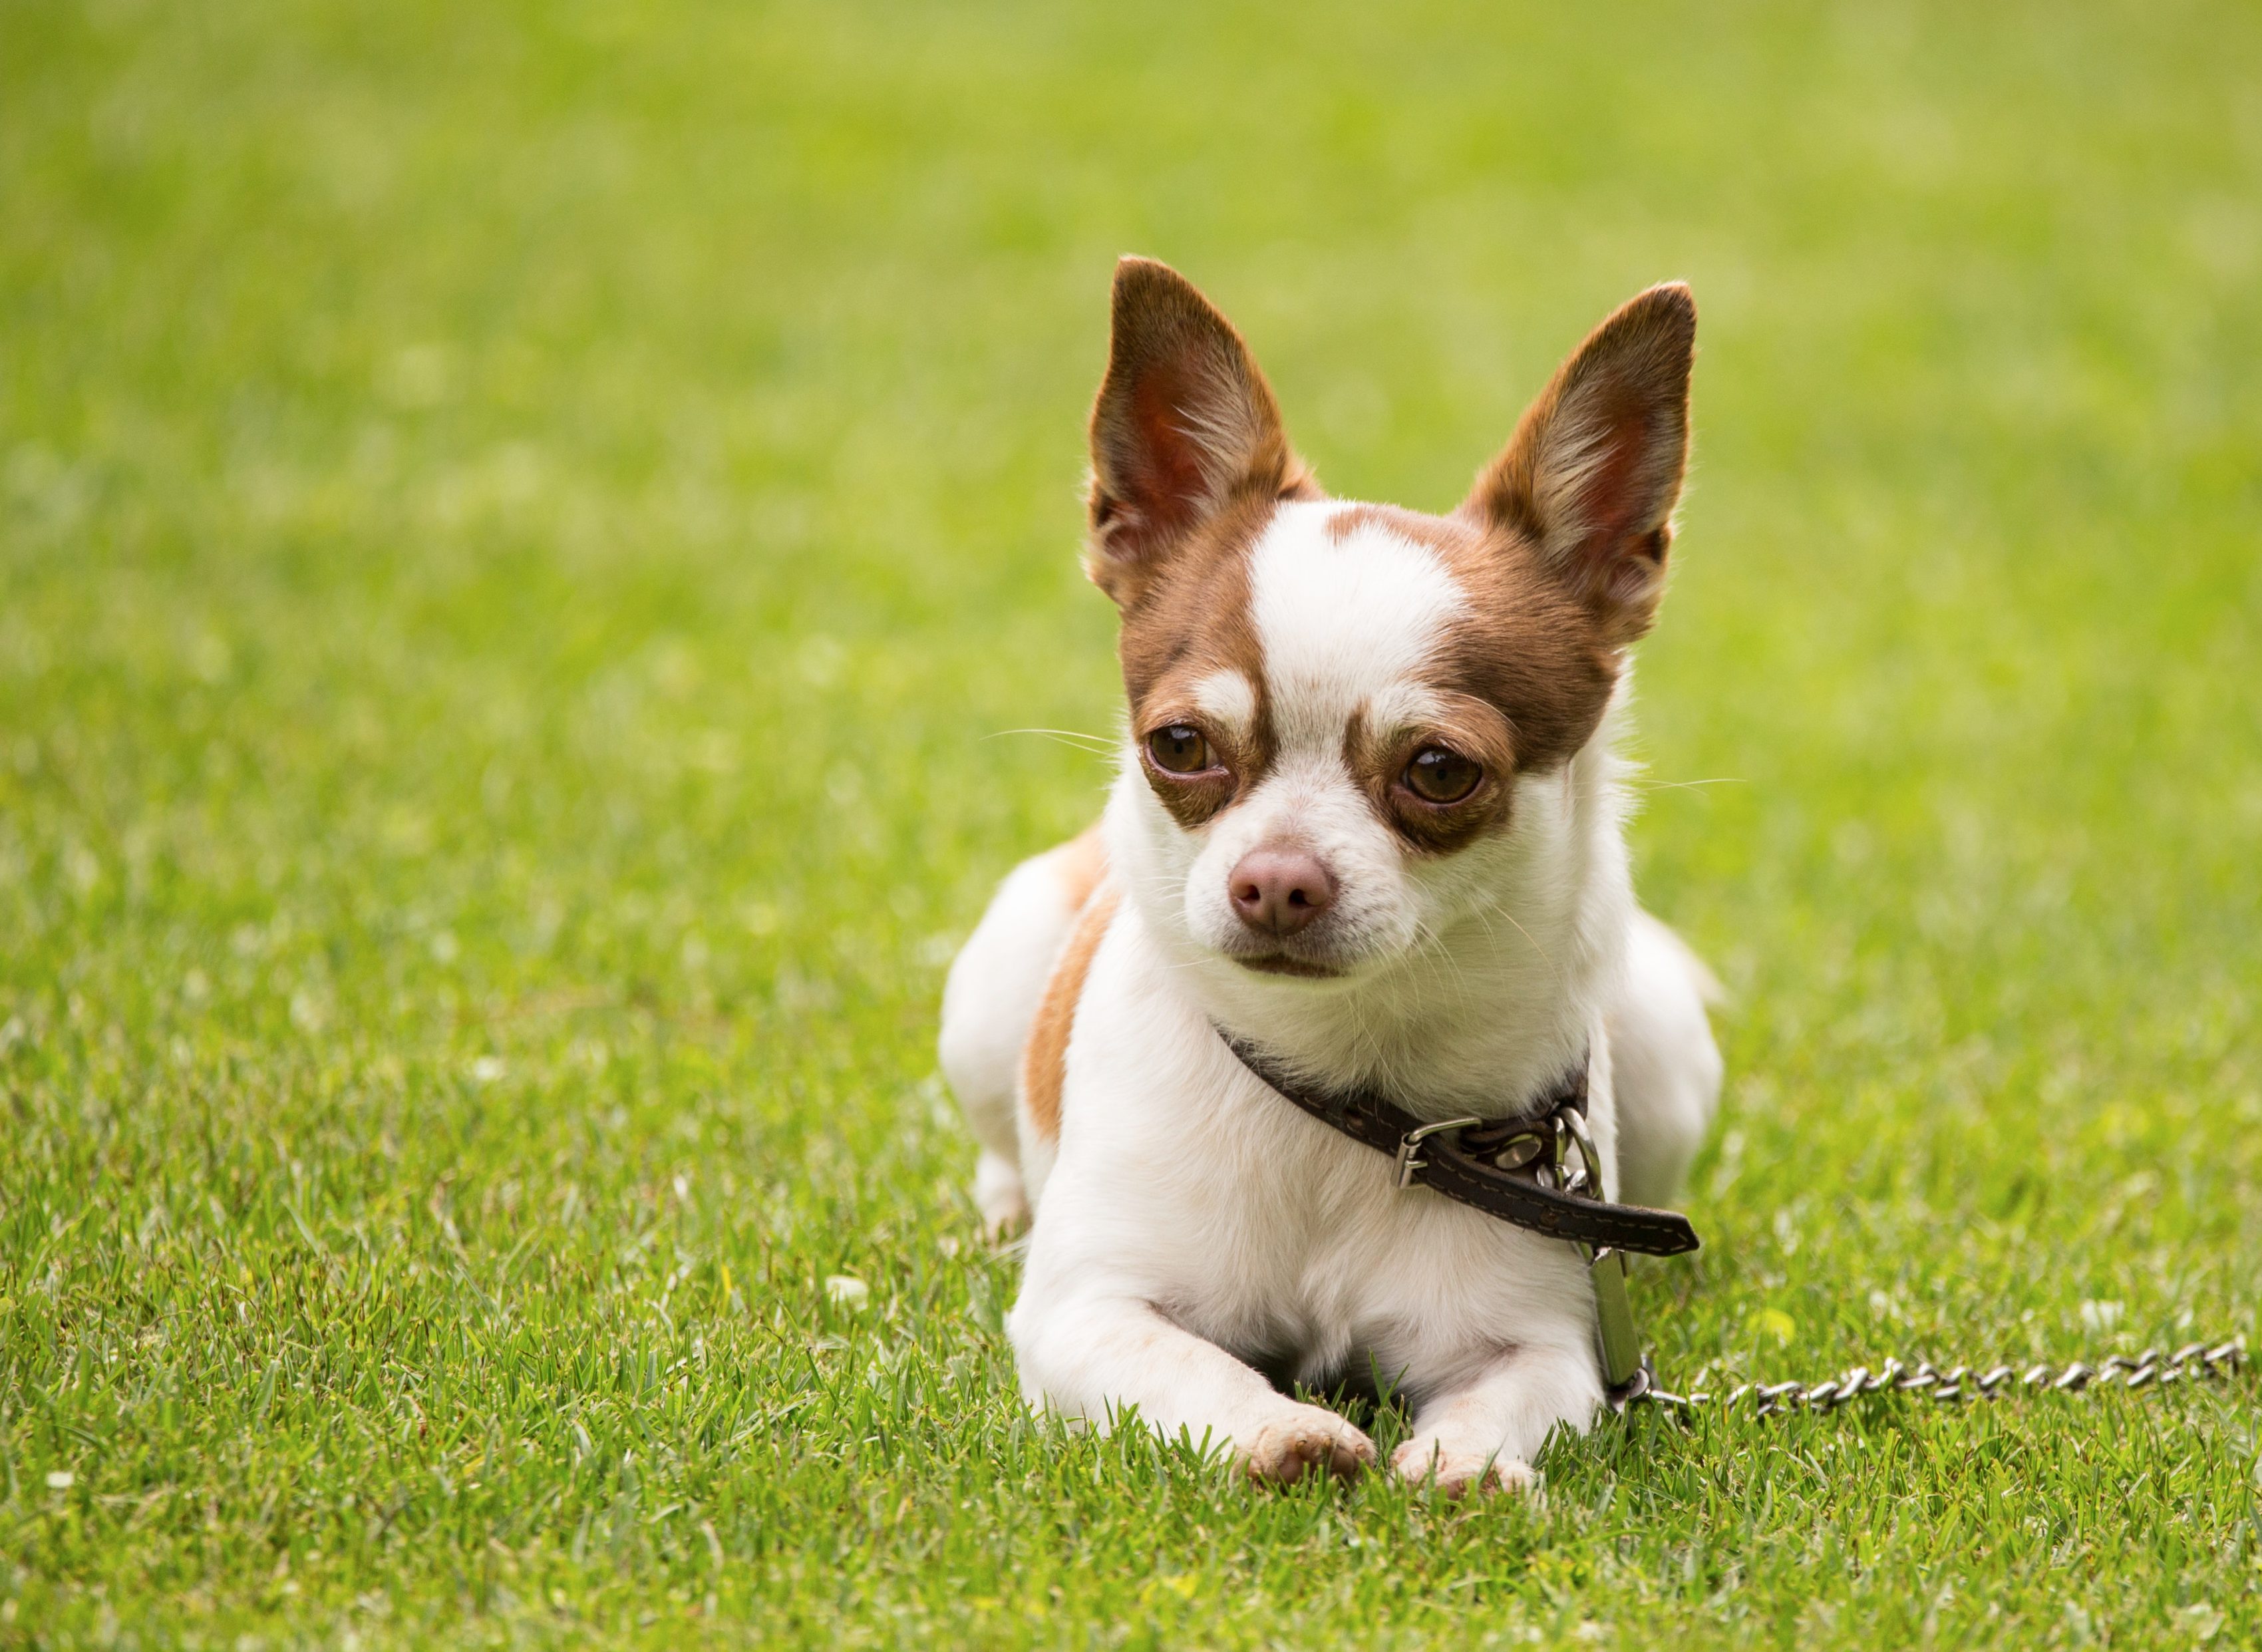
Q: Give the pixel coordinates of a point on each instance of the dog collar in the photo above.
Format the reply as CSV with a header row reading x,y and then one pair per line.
x,y
1517,1170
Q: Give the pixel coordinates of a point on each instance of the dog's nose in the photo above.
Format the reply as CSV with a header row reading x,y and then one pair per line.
x,y
1277,890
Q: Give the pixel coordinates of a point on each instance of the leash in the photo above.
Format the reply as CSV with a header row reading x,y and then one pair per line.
x,y
2194,1362
1518,1170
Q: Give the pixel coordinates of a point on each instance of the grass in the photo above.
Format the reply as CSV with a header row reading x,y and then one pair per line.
x,y
521,528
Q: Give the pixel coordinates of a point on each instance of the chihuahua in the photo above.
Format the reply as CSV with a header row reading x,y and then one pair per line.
x,y
1369,820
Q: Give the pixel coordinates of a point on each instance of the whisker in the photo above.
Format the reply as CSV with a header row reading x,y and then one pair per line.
x,y
1494,907
1436,952
1095,743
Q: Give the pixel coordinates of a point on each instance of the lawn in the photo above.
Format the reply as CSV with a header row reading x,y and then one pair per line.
x,y
530,538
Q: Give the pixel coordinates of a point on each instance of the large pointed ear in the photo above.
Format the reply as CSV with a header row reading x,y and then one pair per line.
x,y
1184,426
1594,469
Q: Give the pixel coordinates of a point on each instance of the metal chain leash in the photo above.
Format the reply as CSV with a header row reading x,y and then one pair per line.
x,y
1548,1145
2194,1362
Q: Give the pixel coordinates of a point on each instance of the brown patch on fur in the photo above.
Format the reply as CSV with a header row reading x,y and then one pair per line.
x,y
1592,473
1529,646
1044,1058
1440,534
1080,864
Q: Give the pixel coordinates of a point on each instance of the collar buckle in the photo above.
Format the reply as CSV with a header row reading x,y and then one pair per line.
x,y
1407,1144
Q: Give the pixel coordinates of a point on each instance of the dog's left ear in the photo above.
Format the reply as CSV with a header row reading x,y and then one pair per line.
x,y
1594,469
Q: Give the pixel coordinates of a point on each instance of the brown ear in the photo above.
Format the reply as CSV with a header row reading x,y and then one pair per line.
x,y
1594,469
1184,425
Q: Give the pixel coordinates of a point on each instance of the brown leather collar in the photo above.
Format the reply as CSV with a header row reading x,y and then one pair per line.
x,y
1494,1165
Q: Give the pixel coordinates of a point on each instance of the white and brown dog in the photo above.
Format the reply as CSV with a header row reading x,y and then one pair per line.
x,y
1369,820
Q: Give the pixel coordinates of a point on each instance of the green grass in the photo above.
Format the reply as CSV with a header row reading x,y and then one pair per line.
x,y
521,528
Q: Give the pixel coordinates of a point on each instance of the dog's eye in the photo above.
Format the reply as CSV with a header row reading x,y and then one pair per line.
x,y
1438,775
1178,750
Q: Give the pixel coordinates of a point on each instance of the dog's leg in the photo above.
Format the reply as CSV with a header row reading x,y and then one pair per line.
x,y
998,1194
1096,1358
1665,1068
992,996
1483,1434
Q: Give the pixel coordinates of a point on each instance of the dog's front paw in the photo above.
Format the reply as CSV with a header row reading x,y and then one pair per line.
x,y
1458,1473
1303,1438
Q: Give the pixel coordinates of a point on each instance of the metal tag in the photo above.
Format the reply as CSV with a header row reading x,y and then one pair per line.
x,y
1621,1348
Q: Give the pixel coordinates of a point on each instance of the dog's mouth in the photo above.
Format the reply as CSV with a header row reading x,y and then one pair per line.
x,y
1281,964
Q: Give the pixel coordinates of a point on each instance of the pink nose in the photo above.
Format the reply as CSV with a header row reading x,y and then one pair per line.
x,y
1277,890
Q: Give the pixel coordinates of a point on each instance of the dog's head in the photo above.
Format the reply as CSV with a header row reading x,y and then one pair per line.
x,y
1345,715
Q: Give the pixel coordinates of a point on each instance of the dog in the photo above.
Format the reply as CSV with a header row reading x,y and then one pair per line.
x,y
1369,818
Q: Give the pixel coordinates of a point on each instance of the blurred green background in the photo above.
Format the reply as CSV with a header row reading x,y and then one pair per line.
x,y
523,529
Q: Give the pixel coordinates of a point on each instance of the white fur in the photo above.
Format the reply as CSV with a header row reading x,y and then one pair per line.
x,y
1191,1222
1341,622
1230,697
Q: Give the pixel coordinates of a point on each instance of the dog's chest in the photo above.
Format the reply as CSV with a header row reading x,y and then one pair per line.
x,y
1261,1229
1313,1252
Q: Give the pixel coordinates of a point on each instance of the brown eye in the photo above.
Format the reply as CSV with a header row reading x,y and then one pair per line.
x,y
1178,750
1437,776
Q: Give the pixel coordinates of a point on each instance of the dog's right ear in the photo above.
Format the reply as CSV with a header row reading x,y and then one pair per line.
x,y
1184,425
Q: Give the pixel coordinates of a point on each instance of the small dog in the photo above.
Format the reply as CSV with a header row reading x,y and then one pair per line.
x,y
1369,820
